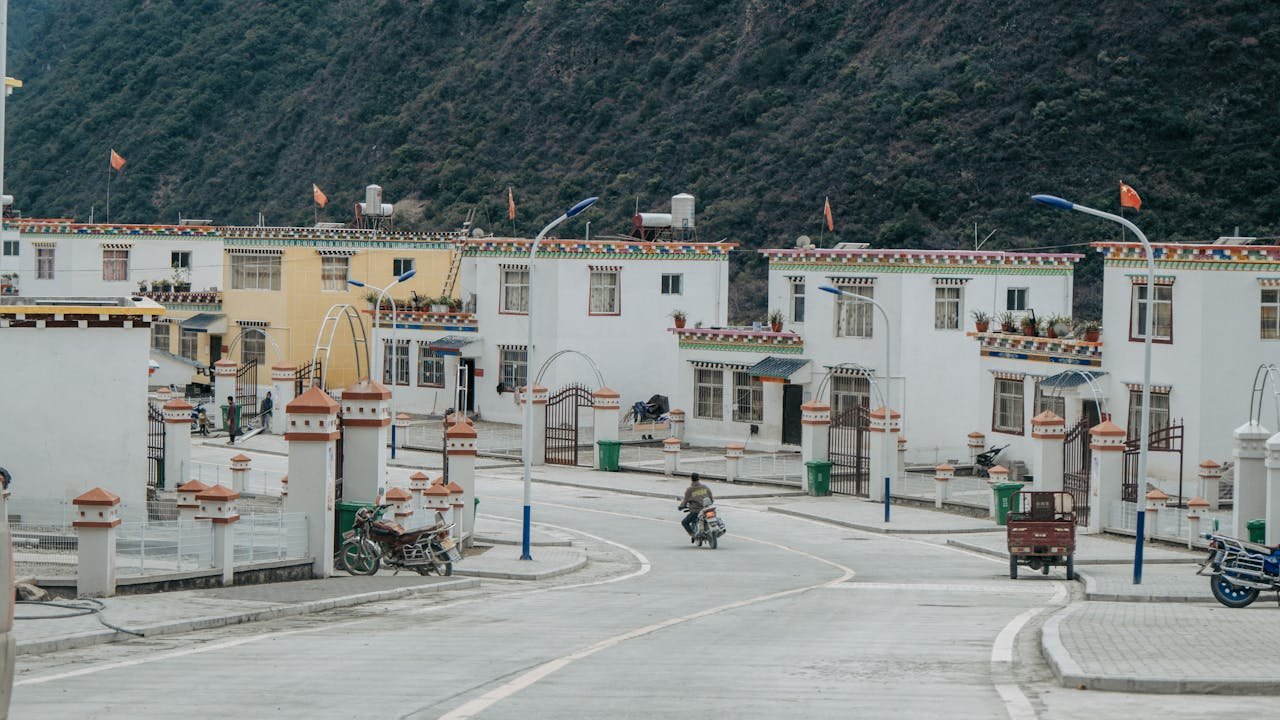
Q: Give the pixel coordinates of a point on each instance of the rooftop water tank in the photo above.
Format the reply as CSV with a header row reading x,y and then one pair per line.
x,y
682,211
653,220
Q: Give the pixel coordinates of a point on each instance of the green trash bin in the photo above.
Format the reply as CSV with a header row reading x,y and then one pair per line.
x,y
609,450
1257,531
224,417
347,515
1004,499
819,477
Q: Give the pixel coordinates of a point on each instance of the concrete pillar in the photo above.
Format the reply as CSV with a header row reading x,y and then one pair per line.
x,y
438,505
188,506
1271,498
284,489
1106,476
537,423
460,451
995,476
282,393
219,505
240,471
1156,501
418,483
1048,431
177,441
1211,483
671,456
366,415
312,431
607,406
1250,498
163,395
942,475
902,456
97,516
401,506
677,423
456,504
977,443
885,425
732,459
815,429
770,408
1196,509
8,645
401,422
224,385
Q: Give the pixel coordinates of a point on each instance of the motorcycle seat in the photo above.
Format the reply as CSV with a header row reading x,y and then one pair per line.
x,y
1258,547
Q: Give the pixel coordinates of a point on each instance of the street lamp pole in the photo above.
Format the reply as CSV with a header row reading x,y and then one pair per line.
x,y
527,431
888,376
382,292
1148,319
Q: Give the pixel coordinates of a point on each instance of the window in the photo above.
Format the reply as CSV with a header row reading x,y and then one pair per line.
x,y
946,308
797,301
515,291
11,247
1159,413
255,272
673,284
513,366
180,259
848,391
1270,314
708,393
400,266
188,344
1052,402
854,318
160,336
253,348
1007,411
397,358
1163,313
44,263
748,398
430,367
115,265
1015,299
604,292
333,273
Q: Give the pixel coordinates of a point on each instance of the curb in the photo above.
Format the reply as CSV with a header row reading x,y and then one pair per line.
x,y
873,528
532,543
1078,562
104,636
577,564
1091,593
661,496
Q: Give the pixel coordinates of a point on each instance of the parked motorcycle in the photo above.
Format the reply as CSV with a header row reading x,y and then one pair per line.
x,y
708,528
371,542
200,419
1239,570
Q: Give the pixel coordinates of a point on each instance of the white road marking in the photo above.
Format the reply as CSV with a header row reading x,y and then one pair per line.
x,y
1015,701
939,587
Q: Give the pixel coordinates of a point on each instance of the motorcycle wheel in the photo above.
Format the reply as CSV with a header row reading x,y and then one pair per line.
x,y
1013,568
1071,567
358,558
711,541
1230,594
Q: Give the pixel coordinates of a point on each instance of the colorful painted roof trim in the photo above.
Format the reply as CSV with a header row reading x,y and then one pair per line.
x,y
1184,256
739,340
933,261
65,227
621,249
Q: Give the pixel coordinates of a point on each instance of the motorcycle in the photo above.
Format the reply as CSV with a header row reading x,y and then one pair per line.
x,y
200,419
708,528
1239,570
371,542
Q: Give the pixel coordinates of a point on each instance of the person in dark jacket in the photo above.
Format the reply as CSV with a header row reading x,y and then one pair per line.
x,y
233,424
696,497
264,412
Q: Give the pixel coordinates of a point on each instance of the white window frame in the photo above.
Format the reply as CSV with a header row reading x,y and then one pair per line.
x,y
188,343
708,393
334,271
854,318
115,264
180,259
402,265
514,291
1269,307
513,366
1016,299
797,301
947,300
672,284
430,367
605,289
12,248
399,355
253,347
255,272
1008,411
161,335
1162,324
45,263
748,398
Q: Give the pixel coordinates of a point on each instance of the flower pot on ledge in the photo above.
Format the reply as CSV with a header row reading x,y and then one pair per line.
x,y
679,322
982,326
776,327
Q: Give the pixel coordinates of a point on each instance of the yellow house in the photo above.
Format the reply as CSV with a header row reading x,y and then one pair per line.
x,y
281,283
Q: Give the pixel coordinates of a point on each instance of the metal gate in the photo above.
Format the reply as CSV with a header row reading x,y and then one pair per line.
x,y
155,447
1077,458
1166,439
848,448
562,423
247,394
305,375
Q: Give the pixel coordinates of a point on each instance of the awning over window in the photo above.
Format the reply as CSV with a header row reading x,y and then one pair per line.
x,y
206,322
1070,379
775,367
450,344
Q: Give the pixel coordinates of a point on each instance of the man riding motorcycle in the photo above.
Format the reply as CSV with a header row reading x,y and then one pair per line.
x,y
696,497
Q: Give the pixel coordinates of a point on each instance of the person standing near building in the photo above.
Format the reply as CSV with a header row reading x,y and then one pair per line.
x,y
233,420
264,412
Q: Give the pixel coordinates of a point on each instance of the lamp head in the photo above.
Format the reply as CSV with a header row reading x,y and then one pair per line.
x,y
1054,201
582,205
831,289
357,283
407,275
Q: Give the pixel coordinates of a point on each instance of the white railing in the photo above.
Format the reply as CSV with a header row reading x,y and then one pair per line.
x,y
969,490
934,455
915,485
506,440
785,470
263,537
256,480
168,546
1171,522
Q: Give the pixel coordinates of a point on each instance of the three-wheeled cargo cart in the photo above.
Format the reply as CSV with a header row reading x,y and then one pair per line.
x,y
1042,532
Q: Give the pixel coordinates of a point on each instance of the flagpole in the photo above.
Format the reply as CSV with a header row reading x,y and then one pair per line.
x,y
109,169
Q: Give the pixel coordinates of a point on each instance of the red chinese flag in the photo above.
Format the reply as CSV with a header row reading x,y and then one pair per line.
x,y
826,211
318,195
511,204
117,161
1129,197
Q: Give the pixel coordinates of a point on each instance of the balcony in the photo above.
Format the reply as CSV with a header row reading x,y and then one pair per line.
x,y
427,320
1064,351
740,339
188,300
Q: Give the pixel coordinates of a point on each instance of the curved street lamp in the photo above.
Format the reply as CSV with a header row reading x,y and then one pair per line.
x,y
1144,425
887,377
527,431
369,351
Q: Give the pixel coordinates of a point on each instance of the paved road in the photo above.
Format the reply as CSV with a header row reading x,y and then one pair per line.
x,y
788,616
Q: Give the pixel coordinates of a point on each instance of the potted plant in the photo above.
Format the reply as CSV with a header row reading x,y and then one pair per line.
x,y
775,321
181,280
1061,325
455,305
440,304
679,317
1008,322
1089,330
160,285
981,321
1029,324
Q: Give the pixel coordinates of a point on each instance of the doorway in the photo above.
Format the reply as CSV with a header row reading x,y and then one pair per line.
x,y
467,380
792,396
215,349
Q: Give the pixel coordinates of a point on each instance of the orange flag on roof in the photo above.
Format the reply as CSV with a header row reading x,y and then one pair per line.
x,y
511,204
318,195
1129,197
117,161
826,211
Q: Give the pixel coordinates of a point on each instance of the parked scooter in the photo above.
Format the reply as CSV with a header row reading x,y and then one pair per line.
x,y
1239,570
708,528
200,419
371,542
